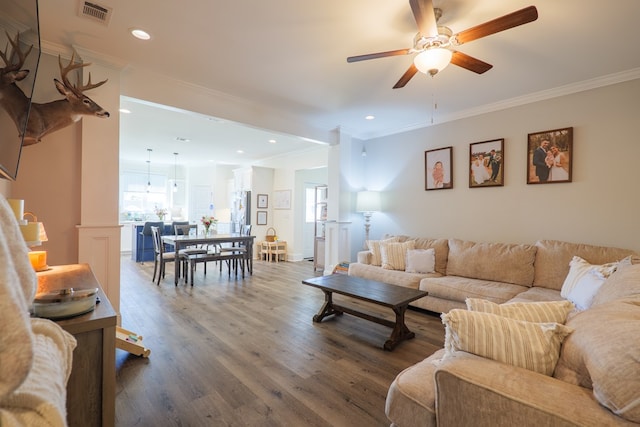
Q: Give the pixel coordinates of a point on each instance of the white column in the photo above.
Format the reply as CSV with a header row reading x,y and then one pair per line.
x,y
337,244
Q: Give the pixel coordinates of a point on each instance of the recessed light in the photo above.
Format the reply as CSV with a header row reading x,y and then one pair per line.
x,y
240,152
272,141
125,111
140,34
370,117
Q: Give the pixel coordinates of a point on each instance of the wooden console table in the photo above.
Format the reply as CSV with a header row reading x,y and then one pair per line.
x,y
91,390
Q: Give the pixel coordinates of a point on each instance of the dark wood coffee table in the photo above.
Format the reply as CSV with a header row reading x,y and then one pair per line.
x,y
384,294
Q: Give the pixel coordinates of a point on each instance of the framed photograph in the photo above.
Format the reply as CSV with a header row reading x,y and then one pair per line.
x,y
486,163
263,201
549,156
282,199
438,169
261,218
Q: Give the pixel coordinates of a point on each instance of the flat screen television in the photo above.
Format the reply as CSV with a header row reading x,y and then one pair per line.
x,y
16,17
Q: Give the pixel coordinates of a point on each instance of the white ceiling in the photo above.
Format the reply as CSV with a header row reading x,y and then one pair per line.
x,y
291,56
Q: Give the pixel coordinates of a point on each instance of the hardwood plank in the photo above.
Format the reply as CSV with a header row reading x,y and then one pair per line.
x,y
233,351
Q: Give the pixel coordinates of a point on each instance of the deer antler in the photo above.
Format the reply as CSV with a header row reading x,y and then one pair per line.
x,y
77,89
22,56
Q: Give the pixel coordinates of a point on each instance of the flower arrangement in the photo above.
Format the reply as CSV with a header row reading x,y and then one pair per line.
x,y
208,221
160,212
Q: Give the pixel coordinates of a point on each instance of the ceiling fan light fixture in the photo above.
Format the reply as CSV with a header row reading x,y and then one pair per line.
x,y
432,60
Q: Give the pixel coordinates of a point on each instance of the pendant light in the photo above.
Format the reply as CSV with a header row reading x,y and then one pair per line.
x,y
175,172
149,150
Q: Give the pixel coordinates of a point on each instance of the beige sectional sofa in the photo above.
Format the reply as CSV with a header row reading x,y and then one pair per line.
x,y
498,272
596,381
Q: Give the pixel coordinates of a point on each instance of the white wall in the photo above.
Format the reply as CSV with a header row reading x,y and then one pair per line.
x,y
601,206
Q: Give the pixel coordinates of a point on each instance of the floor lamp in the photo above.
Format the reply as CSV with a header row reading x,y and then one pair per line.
x,y
367,202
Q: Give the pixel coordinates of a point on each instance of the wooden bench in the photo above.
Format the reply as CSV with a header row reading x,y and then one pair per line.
x,y
233,260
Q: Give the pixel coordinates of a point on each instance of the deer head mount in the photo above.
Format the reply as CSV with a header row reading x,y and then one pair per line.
x,y
51,116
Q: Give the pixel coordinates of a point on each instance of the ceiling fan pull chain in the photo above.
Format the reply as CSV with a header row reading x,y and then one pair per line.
x,y
434,104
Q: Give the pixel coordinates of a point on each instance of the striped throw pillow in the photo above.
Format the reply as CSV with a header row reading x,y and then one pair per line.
x,y
529,345
374,248
543,311
394,254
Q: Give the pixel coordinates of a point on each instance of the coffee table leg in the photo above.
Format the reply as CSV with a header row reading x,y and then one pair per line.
x,y
400,330
327,308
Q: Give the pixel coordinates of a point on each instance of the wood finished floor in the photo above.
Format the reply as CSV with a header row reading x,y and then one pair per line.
x,y
245,352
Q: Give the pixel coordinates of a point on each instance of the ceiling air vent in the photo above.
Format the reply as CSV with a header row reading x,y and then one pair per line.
x,y
95,12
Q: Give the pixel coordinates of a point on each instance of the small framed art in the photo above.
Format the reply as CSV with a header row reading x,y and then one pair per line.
x,y
438,169
261,218
263,201
550,156
486,163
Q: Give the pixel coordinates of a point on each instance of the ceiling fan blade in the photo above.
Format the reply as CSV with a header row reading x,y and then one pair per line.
x,y
406,77
470,63
425,17
378,55
519,17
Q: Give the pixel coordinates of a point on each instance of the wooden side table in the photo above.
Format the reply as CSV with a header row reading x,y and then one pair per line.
x,y
91,389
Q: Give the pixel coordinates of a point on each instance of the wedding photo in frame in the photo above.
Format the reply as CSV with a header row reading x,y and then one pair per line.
x,y
486,163
438,169
550,156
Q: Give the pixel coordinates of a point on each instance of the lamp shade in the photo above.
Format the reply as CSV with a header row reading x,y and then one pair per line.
x,y
368,201
432,60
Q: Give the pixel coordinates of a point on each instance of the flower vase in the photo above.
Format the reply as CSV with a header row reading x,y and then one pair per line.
x,y
206,231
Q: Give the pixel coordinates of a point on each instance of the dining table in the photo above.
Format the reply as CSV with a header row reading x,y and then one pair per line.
x,y
182,241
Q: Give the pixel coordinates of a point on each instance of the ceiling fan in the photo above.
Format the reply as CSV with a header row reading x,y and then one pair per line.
x,y
435,45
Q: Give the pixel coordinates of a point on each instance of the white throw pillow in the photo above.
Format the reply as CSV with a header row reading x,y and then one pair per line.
x,y
579,268
421,261
374,248
585,290
394,254
529,345
538,311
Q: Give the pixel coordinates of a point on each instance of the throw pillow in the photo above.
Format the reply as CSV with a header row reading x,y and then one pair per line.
x,y
541,312
529,345
585,290
421,261
374,248
394,254
578,268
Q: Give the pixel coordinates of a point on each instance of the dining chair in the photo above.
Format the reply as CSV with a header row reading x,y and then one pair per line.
x,y
160,256
239,249
146,231
185,230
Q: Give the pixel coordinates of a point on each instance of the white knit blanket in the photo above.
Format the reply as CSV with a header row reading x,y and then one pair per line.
x,y
35,354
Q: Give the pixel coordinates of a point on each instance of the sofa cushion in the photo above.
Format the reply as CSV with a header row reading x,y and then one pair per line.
x,y
500,262
537,294
621,285
603,353
393,277
460,288
553,257
421,261
541,312
393,255
529,345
